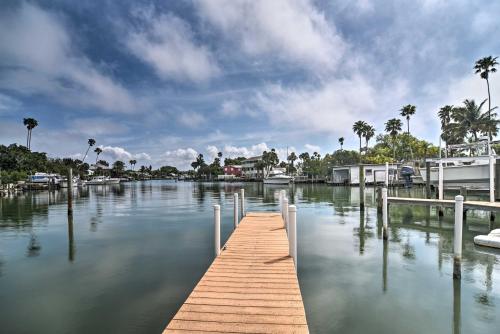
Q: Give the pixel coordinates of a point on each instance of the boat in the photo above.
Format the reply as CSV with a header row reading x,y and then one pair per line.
x,y
102,180
113,180
490,240
54,179
277,177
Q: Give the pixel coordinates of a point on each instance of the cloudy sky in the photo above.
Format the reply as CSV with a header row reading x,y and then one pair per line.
x,y
160,81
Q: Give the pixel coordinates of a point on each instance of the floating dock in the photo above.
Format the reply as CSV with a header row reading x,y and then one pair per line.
x,y
478,205
251,287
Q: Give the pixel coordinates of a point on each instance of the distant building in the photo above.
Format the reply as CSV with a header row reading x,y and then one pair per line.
x,y
234,170
249,169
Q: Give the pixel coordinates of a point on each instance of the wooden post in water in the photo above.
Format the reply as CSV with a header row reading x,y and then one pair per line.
x,y
492,179
457,241
285,213
441,181
217,229
497,180
428,179
235,210
385,212
242,193
387,174
292,233
71,240
70,192
361,187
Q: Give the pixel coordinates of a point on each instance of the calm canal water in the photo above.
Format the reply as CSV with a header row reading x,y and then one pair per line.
x,y
133,253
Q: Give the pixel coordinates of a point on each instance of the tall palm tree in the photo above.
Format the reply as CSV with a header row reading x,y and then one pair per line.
x,y
393,126
359,129
30,124
444,115
132,163
407,111
91,143
484,67
341,142
98,151
369,133
469,119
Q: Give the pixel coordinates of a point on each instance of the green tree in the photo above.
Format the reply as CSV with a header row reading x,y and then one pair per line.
x,y
408,111
270,160
484,67
30,124
97,151
132,163
341,142
91,143
369,133
292,157
393,126
359,129
469,119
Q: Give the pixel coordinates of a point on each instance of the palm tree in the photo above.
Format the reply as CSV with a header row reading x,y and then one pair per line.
x,y
359,129
91,143
132,163
30,124
444,115
469,119
393,126
369,133
341,142
484,66
98,151
408,111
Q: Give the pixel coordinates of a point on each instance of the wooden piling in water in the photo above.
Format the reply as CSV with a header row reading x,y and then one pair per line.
x,y
70,192
385,213
361,187
457,240
379,200
428,179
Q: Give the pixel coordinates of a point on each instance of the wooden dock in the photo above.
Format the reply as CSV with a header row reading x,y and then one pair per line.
x,y
251,287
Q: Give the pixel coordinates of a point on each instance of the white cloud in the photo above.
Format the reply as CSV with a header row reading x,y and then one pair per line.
x,y
191,119
167,43
295,31
180,158
312,148
39,57
212,152
119,153
96,127
8,104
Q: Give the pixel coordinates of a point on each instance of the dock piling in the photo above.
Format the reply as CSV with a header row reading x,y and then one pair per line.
x,y
379,200
440,179
242,193
285,213
457,241
492,179
70,192
217,229
387,174
428,179
385,212
235,210
292,232
497,179
361,187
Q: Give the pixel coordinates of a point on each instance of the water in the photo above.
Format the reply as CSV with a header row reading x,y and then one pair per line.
x,y
133,252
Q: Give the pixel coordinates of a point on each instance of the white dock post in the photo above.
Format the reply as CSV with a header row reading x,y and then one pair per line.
x,y
492,179
285,213
292,232
385,210
217,229
386,174
457,241
441,176
242,191
235,210
282,197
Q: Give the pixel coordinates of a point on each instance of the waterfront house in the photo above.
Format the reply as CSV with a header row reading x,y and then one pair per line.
x,y
249,168
231,172
374,173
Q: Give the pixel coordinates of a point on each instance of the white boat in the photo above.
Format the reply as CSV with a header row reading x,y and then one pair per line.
x,y
112,180
277,177
45,178
102,180
490,240
470,172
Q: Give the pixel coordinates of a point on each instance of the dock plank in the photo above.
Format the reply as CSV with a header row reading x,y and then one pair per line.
x,y
251,287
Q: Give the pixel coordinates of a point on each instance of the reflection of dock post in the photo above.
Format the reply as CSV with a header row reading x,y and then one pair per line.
x,y
70,192
457,241
457,307
242,199
428,179
361,187
379,200
385,212
235,210
71,241
384,264
217,229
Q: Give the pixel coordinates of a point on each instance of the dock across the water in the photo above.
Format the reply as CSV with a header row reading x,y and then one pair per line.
x,y
251,286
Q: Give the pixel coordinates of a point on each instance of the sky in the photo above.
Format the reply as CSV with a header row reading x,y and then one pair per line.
x,y
161,81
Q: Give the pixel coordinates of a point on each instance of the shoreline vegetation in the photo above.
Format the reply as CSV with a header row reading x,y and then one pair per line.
x,y
463,124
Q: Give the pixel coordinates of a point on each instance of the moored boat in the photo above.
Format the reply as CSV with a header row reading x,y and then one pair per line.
x,y
277,177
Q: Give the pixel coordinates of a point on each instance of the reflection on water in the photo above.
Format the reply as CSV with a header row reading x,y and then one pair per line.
x,y
131,254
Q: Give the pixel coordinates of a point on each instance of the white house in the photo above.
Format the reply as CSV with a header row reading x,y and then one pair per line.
x,y
374,173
